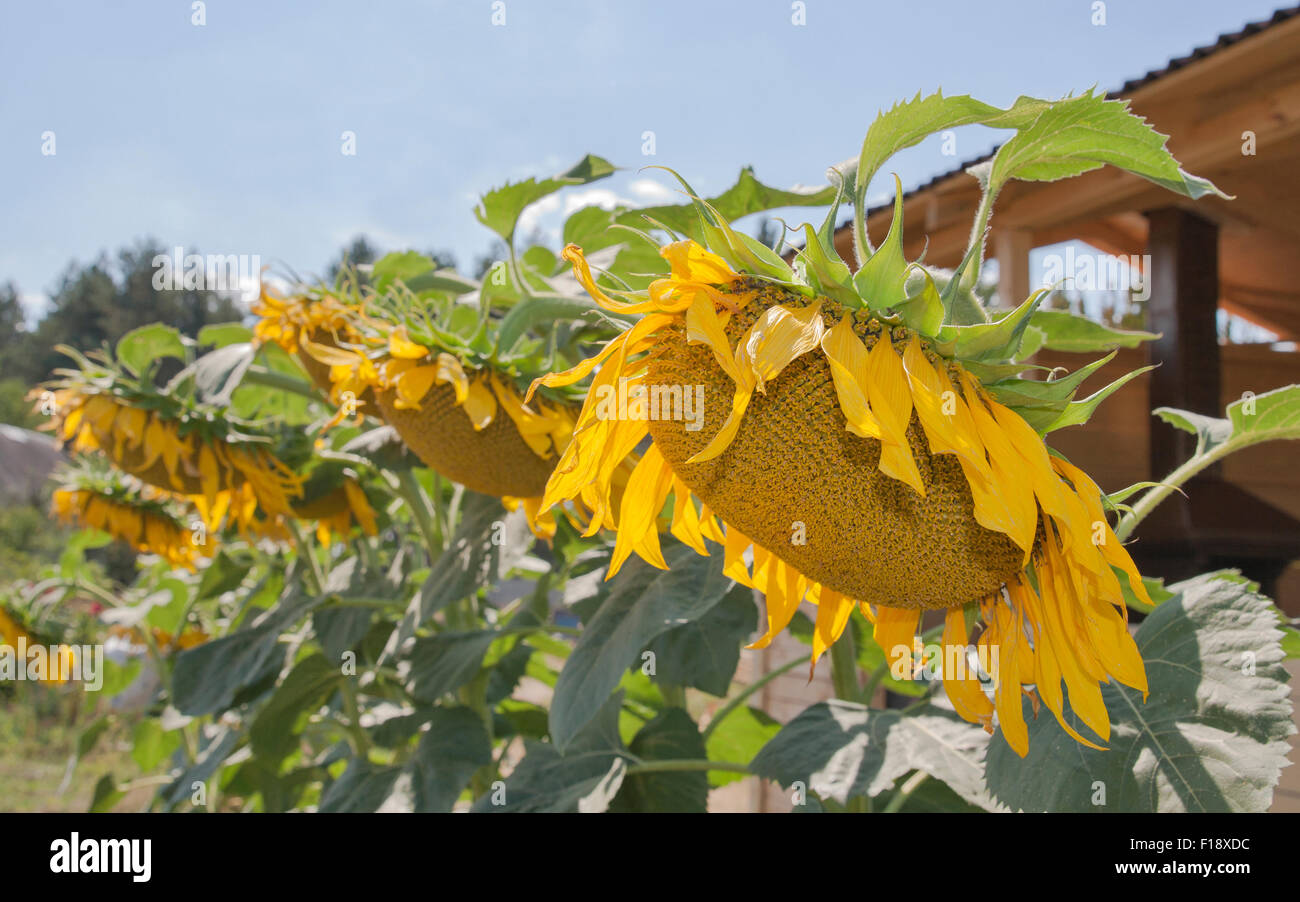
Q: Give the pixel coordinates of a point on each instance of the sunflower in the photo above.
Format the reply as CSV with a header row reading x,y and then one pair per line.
x,y
849,462
336,512
863,440
315,317
144,519
169,442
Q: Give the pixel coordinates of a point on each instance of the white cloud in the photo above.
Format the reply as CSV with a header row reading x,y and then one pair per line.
x,y
649,191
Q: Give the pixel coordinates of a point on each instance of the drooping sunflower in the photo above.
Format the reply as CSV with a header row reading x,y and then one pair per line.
x,y
145,518
427,361
865,442
315,316
168,440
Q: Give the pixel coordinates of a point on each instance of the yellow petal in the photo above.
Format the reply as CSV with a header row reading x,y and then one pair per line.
x,y
401,346
891,402
847,356
778,337
833,611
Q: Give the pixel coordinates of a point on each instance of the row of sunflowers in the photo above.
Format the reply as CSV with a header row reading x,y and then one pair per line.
x,y
526,549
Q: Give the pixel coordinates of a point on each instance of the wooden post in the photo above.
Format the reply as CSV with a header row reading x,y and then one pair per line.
x,y
1183,307
1011,248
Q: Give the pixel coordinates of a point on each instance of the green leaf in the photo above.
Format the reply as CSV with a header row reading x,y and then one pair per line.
x,y
831,274
643,603
670,735
585,776
367,787
207,678
224,573
138,349
309,683
536,310
998,340
445,662
339,629
1045,392
151,744
106,795
1211,736
1077,413
399,267
904,125
471,559
923,311
704,653
841,750
453,747
591,227
880,280
218,335
1066,331
1078,134
215,746
500,208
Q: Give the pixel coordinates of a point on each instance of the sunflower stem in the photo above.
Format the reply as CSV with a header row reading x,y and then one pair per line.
x,y
680,765
304,554
1171,483
260,375
844,668
418,504
905,792
739,698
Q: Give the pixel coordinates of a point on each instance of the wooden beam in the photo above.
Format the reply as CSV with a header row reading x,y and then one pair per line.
x,y
1012,247
1184,302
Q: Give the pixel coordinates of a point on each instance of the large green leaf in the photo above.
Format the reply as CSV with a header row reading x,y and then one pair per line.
x,y
1264,418
584,777
445,662
1211,736
367,787
453,747
643,603
704,653
670,735
1078,134
138,349
840,750
306,687
500,208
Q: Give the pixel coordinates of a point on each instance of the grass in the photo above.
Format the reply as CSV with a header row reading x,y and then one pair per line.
x,y
39,729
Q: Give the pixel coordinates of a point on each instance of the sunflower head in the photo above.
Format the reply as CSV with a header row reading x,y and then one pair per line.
x,y
428,348
168,437
868,440
92,495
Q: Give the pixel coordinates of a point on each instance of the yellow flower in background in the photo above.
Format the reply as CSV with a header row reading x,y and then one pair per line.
x,y
138,519
452,418
57,669
844,461
149,445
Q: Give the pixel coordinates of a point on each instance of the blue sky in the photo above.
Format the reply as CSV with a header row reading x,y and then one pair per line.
x,y
226,138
